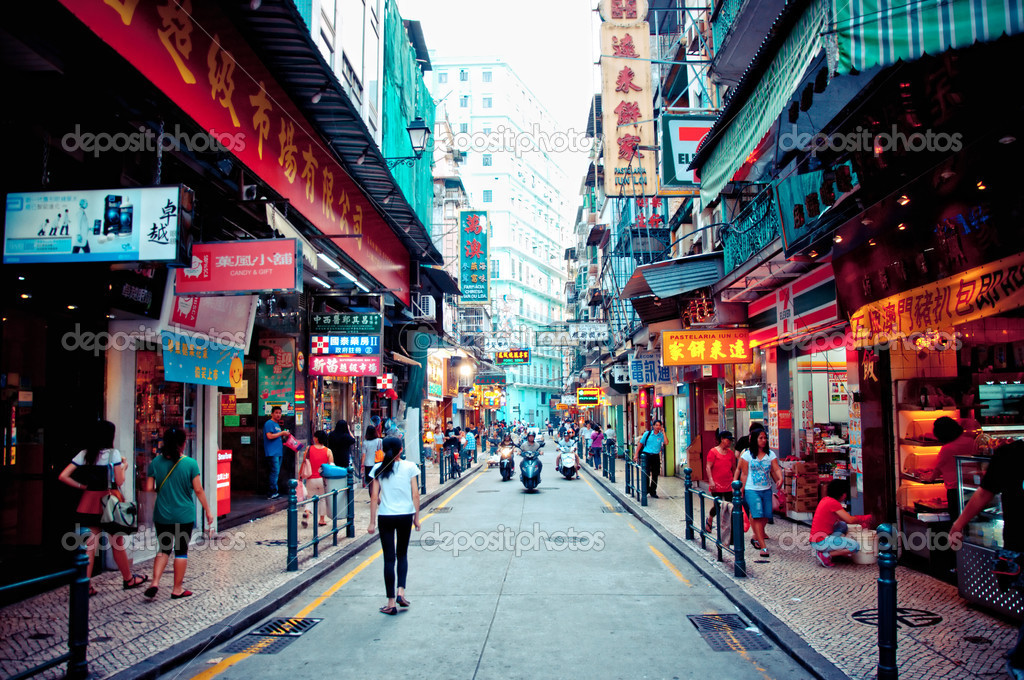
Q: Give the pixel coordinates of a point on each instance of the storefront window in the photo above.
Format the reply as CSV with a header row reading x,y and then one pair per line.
x,y
821,398
744,388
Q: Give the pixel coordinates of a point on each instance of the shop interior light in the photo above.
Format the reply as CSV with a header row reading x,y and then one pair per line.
x,y
323,283
981,185
21,278
813,253
72,307
319,94
838,238
330,263
867,221
872,242
111,316
902,226
903,200
1008,139
25,296
947,174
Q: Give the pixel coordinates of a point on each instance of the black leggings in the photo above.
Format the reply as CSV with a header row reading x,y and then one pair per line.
x,y
388,526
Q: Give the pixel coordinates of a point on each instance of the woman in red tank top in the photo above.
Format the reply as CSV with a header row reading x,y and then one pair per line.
x,y
318,455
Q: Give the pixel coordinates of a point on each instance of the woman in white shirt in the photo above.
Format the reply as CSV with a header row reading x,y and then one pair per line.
x,y
395,510
368,452
759,467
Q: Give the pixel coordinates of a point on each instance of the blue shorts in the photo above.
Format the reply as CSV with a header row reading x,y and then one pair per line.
x,y
836,542
759,503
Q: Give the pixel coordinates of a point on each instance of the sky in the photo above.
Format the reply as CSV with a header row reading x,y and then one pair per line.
x,y
549,43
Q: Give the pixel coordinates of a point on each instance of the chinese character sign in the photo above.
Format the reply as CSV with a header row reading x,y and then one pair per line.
x,y
344,366
646,368
512,357
242,267
276,371
976,293
589,332
200,361
435,378
342,322
473,256
695,348
344,344
588,396
628,119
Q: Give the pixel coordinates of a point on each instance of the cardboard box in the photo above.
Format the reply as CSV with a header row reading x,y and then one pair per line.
x,y
802,505
804,467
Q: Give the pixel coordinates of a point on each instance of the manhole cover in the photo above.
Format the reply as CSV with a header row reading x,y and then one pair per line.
x,y
977,640
734,640
616,509
911,618
286,627
258,644
569,540
717,621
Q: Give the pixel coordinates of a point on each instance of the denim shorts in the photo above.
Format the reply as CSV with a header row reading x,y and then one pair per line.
x,y
759,503
836,542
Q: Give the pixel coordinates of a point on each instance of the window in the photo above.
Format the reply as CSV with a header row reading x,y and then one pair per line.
x,y
487,76
463,102
488,101
488,195
495,269
463,128
352,34
486,159
464,75
442,77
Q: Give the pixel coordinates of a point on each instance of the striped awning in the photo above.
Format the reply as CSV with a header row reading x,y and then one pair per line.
x,y
881,32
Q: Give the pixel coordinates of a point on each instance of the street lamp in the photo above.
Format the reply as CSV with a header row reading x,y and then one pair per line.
x,y
419,135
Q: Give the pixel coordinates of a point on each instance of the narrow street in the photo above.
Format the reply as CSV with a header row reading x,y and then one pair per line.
x,y
606,598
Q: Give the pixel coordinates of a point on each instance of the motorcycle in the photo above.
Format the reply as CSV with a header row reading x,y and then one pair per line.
x,y
567,461
506,462
529,469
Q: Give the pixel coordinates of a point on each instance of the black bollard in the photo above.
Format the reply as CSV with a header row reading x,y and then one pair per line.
x,y
739,562
350,511
643,479
78,618
887,669
293,526
688,501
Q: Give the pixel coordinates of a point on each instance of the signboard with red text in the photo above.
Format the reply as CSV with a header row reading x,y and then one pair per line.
x,y
707,347
242,267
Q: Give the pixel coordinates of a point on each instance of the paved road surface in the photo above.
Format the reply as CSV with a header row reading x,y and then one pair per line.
x,y
587,593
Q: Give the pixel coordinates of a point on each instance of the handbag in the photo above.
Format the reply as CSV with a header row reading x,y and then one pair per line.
x,y
306,469
118,516
292,443
379,455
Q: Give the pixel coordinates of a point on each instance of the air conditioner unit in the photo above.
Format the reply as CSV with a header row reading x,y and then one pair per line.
x,y
424,307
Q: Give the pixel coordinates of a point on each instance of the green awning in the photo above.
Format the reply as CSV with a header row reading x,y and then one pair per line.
x,y
881,32
778,83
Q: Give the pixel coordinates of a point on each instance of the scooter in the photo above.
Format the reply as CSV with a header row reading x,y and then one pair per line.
x,y
567,460
506,462
529,469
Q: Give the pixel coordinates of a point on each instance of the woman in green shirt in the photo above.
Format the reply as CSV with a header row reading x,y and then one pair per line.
x,y
174,511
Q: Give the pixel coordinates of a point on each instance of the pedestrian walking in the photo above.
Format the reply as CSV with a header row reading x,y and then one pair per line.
x,y
174,512
652,443
273,449
394,511
1005,476
758,468
318,455
370,446
340,442
596,444
97,470
721,470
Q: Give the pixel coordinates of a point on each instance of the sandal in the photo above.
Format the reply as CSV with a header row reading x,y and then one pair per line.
x,y
184,593
135,581
764,553
150,592
323,523
402,602
391,611
754,542
708,526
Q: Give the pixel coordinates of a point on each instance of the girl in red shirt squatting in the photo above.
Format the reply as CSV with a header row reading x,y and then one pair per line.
x,y
828,528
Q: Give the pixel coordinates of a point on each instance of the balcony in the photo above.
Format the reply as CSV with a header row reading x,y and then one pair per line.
x,y
756,227
739,28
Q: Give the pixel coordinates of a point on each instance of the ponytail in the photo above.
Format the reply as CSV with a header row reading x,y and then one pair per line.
x,y
392,451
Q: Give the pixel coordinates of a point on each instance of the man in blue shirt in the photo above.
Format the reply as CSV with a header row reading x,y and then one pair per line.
x,y
273,448
652,443
470,446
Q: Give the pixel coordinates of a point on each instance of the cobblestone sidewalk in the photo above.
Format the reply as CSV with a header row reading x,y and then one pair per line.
x,y
236,568
818,603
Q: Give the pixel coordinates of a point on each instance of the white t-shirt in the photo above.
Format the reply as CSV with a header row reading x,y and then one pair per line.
x,y
96,476
106,457
370,449
759,472
396,488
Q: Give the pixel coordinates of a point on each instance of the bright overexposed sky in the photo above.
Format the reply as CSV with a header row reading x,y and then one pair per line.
x,y
549,44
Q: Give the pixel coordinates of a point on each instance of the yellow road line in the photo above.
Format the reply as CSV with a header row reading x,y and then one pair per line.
x,y
603,500
227,663
632,527
672,567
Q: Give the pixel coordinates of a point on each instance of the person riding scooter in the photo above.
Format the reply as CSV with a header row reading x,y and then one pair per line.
x,y
568,459
506,458
531,466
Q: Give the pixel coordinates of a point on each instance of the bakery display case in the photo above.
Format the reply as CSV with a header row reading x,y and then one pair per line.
x,y
983,536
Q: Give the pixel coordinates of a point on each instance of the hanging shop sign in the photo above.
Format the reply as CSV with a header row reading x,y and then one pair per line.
x,y
512,357
474,229
344,344
680,137
646,368
977,293
628,118
489,379
242,268
276,372
623,12
561,407
199,361
589,332
139,290
796,308
100,225
809,204
339,366
451,378
435,378
386,381
588,396
223,482
193,53
695,348
492,399
365,324
569,399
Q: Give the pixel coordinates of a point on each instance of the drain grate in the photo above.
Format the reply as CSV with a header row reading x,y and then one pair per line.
x,y
44,636
441,511
275,542
258,644
705,622
286,627
613,510
977,640
488,491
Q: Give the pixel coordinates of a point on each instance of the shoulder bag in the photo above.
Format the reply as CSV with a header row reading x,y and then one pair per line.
x,y
379,456
306,469
118,516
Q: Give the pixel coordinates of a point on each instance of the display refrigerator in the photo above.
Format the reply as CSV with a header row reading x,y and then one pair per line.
x,y
982,538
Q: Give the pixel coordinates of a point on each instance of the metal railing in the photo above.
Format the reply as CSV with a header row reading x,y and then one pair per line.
x,y
637,478
609,454
78,616
293,519
737,548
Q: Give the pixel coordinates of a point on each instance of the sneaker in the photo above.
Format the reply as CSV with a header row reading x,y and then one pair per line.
x,y
273,496
824,559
